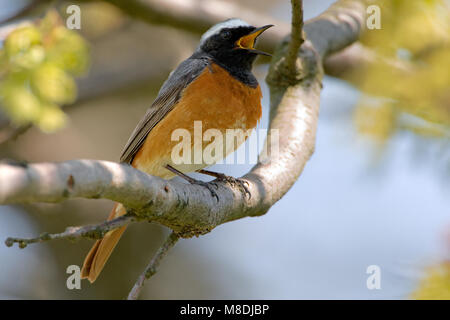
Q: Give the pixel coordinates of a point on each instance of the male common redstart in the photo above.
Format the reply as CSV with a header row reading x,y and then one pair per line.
x,y
215,86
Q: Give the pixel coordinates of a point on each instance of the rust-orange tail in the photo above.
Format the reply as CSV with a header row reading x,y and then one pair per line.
x,y
102,249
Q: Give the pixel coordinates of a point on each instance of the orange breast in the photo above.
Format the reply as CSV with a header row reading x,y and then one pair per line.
x,y
215,98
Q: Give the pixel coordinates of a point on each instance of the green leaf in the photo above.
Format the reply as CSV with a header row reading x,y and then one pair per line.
x,y
53,84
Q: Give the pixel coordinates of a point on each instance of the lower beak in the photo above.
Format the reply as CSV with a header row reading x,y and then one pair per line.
x,y
248,41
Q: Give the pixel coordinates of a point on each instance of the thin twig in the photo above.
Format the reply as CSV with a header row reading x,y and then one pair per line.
x,y
153,265
296,37
96,231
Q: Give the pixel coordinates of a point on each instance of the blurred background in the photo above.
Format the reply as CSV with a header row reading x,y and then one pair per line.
x,y
375,192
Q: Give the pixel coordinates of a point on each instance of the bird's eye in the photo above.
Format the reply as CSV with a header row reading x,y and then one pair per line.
x,y
226,34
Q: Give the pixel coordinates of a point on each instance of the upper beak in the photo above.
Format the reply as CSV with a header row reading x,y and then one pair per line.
x,y
248,41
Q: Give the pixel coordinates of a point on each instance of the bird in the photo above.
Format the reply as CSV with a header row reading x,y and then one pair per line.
x,y
216,86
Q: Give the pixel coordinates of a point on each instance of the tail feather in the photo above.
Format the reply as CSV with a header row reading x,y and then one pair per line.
x,y
102,249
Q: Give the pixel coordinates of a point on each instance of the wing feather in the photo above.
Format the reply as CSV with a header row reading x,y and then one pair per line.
x,y
167,98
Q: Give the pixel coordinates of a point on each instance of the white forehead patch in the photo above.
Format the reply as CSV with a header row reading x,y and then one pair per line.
x,y
215,29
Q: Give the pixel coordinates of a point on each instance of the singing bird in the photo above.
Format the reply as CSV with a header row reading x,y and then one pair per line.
x,y
215,86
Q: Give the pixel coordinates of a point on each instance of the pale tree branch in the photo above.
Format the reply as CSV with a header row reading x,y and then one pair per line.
x,y
191,209
338,27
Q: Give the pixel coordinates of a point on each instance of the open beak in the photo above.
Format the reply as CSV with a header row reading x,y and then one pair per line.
x,y
247,42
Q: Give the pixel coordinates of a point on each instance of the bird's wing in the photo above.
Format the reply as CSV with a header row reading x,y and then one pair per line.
x,y
167,98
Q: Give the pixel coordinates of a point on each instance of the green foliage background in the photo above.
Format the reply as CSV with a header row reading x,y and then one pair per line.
x,y
415,35
38,63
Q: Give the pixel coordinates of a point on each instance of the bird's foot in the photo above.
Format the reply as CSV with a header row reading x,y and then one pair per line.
x,y
242,184
207,185
194,181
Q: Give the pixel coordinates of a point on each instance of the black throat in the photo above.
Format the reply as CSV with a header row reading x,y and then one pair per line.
x,y
238,66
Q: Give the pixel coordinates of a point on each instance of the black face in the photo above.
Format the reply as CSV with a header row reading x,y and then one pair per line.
x,y
223,48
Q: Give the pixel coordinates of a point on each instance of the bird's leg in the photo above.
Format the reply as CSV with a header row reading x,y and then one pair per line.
x,y
192,180
231,180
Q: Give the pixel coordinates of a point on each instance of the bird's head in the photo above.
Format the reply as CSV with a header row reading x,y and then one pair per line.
x,y
232,43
